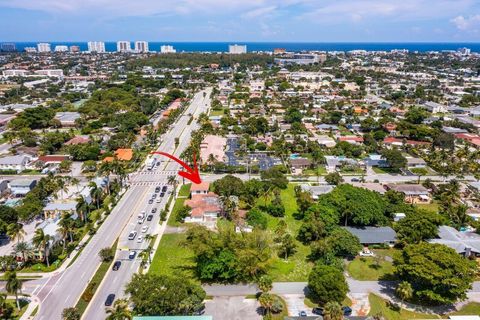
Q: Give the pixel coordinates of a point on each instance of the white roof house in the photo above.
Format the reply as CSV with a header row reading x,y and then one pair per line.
x,y
17,163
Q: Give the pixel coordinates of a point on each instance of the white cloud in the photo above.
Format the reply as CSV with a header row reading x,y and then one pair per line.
x,y
395,10
259,12
471,23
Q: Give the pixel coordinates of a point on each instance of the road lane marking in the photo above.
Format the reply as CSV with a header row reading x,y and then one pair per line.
x,y
67,298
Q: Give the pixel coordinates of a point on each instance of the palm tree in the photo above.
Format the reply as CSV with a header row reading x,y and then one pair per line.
x,y
119,311
172,180
332,311
265,284
404,290
15,231
266,300
82,207
24,249
66,227
61,184
13,285
75,182
42,241
96,193
106,170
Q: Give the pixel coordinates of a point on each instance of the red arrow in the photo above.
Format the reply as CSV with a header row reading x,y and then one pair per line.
x,y
190,174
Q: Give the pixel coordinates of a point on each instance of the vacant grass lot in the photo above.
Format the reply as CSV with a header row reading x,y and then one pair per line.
x,y
468,309
183,194
380,306
429,207
368,268
172,258
296,268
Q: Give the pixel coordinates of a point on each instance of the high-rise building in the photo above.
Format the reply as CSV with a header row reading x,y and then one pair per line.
x,y
167,49
237,49
61,48
8,47
74,49
30,49
465,51
141,46
96,46
44,47
123,46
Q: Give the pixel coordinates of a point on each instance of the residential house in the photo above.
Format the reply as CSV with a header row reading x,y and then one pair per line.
x,y
16,163
434,107
413,163
351,139
464,243
120,154
374,235
55,210
300,163
334,162
376,160
205,209
414,193
325,141
200,188
20,187
317,191
370,186
67,119
78,140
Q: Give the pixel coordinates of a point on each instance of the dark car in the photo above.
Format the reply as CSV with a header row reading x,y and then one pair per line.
x,y
150,201
154,210
109,300
150,217
318,311
302,314
164,189
157,189
132,254
116,265
162,194
347,311
154,196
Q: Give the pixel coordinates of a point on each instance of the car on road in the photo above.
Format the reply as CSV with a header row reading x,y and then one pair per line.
x,y
157,189
140,221
150,201
154,210
132,254
159,200
110,299
164,189
132,235
140,239
347,311
355,180
302,314
150,217
318,311
162,194
144,229
116,265
154,196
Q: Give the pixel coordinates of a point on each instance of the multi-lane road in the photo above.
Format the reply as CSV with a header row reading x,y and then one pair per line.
x,y
63,289
115,281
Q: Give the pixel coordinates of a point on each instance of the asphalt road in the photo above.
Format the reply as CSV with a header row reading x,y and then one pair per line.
x,y
115,281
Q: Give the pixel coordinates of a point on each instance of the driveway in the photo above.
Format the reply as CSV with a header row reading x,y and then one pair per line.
x,y
233,308
295,304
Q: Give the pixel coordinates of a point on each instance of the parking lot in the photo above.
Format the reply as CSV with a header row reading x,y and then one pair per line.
x,y
233,308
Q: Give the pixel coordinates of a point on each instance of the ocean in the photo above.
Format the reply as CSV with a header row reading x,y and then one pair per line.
x,y
289,46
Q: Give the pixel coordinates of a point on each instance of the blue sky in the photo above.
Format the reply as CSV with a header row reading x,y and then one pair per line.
x,y
241,20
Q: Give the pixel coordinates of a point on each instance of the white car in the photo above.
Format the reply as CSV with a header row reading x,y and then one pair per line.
x,y
144,229
366,253
140,239
140,221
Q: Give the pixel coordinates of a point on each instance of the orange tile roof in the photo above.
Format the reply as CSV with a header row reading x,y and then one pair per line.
x,y
120,154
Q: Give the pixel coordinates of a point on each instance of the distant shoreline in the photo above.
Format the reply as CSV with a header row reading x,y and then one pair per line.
x,y
110,46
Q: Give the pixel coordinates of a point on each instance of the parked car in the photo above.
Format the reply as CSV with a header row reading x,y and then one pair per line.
x,y
144,229
164,189
318,311
140,239
150,217
140,221
159,200
347,311
132,235
132,254
110,299
157,189
154,210
150,201
302,314
162,194
154,196
116,265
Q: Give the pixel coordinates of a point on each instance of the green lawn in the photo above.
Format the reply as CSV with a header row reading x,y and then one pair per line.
x,y
384,170
309,303
471,308
429,207
183,194
296,268
184,190
380,306
283,314
17,314
217,112
172,258
366,268
320,170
